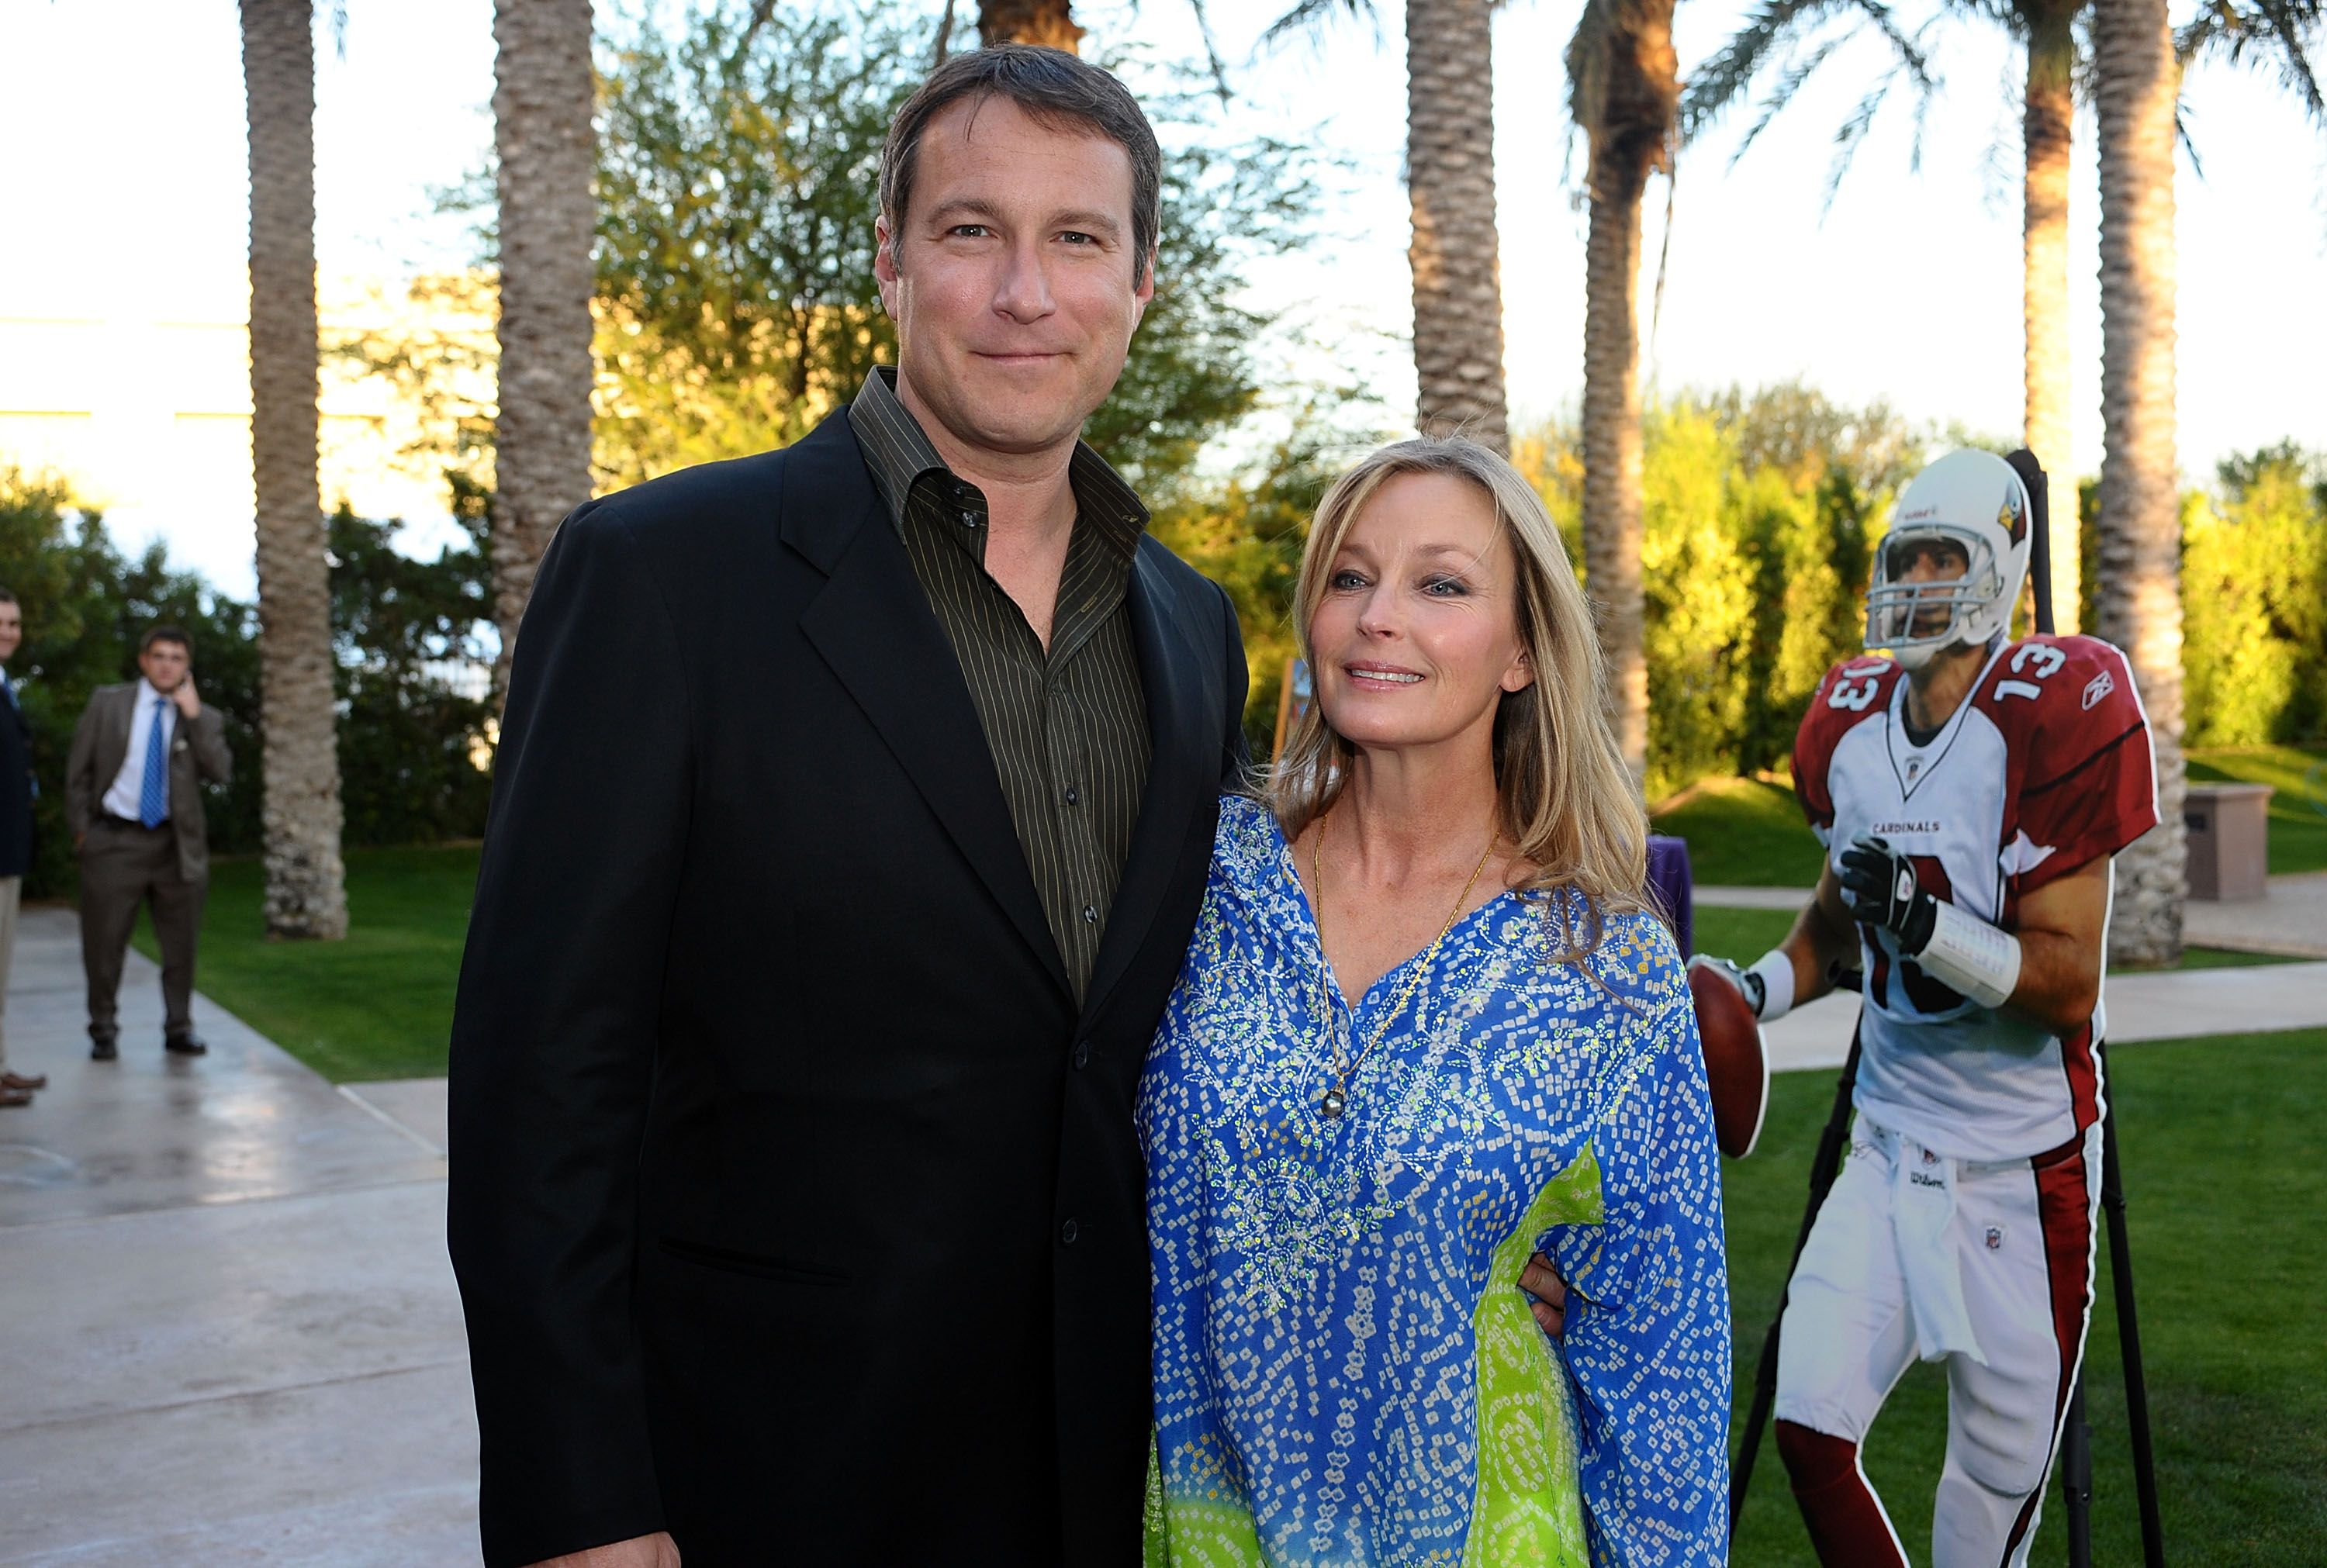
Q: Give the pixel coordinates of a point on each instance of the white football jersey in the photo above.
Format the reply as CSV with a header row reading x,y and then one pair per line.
x,y
2043,768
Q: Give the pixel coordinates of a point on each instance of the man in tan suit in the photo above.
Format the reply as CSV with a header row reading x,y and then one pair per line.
x,y
133,801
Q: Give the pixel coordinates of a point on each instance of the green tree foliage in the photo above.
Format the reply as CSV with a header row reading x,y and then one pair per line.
x,y
738,186
1246,534
2254,595
412,640
1758,513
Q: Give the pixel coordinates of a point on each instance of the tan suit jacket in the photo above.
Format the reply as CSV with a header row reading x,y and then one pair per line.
x,y
198,754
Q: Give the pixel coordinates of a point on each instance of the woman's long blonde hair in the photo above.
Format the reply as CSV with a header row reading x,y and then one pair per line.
x,y
1567,800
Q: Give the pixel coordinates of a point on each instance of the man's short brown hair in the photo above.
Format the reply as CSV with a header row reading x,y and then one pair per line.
x,y
1055,90
166,633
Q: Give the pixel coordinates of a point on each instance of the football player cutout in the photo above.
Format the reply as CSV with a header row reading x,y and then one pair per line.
x,y
1970,791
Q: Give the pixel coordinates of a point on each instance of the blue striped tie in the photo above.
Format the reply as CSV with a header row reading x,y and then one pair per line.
x,y
153,793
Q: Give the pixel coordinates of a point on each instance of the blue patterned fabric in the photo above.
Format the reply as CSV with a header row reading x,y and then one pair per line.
x,y
1346,1372
154,787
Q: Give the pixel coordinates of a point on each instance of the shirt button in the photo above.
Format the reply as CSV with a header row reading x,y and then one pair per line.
x,y
1066,1234
1090,914
969,519
1072,799
1082,1054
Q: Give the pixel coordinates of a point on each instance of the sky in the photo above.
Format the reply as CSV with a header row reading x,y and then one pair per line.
x,y
121,153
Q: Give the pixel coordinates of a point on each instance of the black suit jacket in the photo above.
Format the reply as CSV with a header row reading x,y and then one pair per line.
x,y
15,789
796,1206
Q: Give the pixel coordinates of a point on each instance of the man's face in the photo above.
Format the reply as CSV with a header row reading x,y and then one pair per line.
x,y
1932,561
164,665
12,629
1012,277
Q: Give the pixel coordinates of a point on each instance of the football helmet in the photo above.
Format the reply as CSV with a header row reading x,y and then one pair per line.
x,y
1973,503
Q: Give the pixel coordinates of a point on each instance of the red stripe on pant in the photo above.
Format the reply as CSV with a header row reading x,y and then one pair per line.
x,y
2065,1212
1847,1524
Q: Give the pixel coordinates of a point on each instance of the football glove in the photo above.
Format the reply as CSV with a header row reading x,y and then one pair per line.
x,y
1878,883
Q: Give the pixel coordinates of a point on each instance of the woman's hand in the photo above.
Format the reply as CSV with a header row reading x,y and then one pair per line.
x,y
1542,1281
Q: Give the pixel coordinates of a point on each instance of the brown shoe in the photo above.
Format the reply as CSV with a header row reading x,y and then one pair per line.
x,y
15,1097
16,1080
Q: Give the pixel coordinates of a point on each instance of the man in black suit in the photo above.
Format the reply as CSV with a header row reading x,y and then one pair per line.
x,y
853,811
16,790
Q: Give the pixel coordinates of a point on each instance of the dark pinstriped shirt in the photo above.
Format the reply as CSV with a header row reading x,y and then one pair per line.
x,y
1068,727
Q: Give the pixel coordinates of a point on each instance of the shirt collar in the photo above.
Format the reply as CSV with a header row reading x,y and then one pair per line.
x,y
147,696
900,454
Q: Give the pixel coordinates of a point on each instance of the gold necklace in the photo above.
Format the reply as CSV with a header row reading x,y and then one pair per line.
x,y
1337,1097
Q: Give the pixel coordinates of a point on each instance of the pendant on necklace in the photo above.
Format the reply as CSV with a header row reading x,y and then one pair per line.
x,y
1331,1107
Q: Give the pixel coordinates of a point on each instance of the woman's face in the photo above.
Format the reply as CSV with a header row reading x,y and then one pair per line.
x,y
1416,636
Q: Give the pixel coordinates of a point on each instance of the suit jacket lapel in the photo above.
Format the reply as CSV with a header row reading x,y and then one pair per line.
x,y
873,625
1183,771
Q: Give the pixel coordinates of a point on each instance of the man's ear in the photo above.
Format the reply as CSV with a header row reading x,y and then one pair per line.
x,y
884,261
1145,294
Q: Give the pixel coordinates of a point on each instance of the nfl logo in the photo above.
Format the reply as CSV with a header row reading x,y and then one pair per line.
x,y
1914,766
1995,1237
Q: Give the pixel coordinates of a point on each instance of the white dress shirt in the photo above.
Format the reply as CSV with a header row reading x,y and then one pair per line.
x,y
122,799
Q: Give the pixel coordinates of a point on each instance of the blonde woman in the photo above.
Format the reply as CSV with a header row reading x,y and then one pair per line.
x,y
1427,1025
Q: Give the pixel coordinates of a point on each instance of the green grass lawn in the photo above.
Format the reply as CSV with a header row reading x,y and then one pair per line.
x,y
2298,811
1742,832
2223,1141
379,1004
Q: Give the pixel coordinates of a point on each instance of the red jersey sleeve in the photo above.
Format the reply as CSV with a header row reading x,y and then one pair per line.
x,y
1851,691
2085,779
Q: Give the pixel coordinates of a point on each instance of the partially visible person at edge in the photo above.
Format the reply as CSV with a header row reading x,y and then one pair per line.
x,y
850,820
140,755
1428,1024
16,792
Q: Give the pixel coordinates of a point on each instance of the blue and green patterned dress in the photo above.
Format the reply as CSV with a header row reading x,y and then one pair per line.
x,y
1346,1369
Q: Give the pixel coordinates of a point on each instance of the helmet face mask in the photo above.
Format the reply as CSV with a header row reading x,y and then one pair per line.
x,y
1971,505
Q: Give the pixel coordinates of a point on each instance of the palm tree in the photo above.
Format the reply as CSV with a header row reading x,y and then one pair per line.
x,y
2048,134
1450,174
545,150
1050,22
306,895
2137,84
1625,90
1777,39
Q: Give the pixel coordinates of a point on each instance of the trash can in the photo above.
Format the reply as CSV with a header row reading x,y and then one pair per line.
x,y
2229,827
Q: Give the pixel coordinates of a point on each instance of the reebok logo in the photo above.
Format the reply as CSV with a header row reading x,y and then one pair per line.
x,y
2100,687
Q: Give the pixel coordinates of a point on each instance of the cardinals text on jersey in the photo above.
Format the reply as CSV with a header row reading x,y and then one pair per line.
x,y
2043,769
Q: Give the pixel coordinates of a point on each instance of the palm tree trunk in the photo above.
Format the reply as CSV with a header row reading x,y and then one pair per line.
x,y
543,96
1612,451
1458,291
1050,22
306,895
2049,129
2139,606
1625,86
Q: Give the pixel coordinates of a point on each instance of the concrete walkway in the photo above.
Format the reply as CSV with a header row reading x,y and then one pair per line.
x,y
230,1334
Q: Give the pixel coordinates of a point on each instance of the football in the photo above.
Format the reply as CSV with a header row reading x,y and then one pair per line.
x,y
1736,1064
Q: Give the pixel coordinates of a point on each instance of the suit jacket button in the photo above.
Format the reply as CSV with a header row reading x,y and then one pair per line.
x,y
1066,1234
1082,1053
